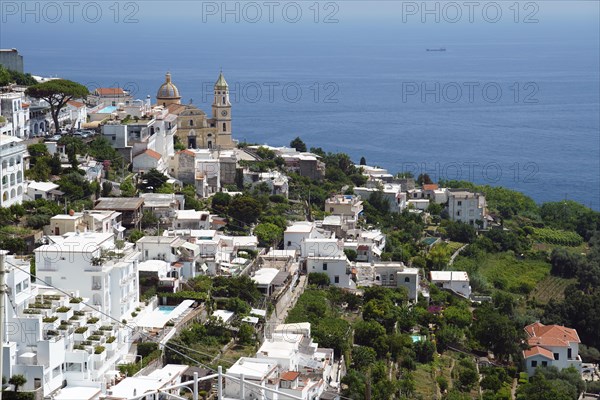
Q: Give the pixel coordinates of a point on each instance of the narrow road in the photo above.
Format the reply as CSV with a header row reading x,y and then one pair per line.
x,y
456,253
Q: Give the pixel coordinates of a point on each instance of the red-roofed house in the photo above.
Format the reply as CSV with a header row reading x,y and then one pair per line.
x,y
147,160
110,96
78,112
551,345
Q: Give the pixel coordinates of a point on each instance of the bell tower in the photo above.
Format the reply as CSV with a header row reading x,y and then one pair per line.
x,y
221,113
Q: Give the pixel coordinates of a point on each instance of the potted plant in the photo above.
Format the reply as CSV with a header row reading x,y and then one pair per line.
x,y
64,313
82,333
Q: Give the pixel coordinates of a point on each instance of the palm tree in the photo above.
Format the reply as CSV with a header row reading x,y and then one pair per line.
x,y
17,381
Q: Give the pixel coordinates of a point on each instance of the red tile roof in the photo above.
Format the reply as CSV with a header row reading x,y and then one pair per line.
x,y
551,333
431,186
289,375
110,91
188,152
76,104
153,154
534,351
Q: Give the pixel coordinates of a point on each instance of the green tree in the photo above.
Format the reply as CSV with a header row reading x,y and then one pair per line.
x,y
57,93
106,189
244,209
319,279
298,144
127,188
17,381
351,254
363,357
245,334
460,232
424,179
37,150
268,234
367,332
135,235
152,180
75,186
220,202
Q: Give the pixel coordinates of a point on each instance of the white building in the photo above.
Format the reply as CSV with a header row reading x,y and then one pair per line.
x,y
181,255
551,346
92,221
277,182
456,281
15,112
159,379
297,232
163,205
43,190
389,274
191,219
91,264
327,256
48,338
77,113
368,244
288,361
12,170
467,207
391,192
344,205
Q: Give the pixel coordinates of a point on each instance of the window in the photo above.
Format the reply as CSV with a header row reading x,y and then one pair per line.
x,y
224,126
459,203
534,363
544,363
569,353
458,213
336,279
191,122
556,356
324,266
289,243
223,99
407,279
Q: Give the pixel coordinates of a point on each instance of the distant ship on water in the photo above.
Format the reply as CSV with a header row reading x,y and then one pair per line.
x,y
439,49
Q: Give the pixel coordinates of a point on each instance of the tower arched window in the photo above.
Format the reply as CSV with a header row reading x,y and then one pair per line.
x,y
191,122
224,126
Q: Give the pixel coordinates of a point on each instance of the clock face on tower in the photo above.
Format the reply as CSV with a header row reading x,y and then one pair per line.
x,y
224,113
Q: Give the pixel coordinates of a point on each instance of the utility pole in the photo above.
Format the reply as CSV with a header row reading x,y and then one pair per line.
x,y
3,254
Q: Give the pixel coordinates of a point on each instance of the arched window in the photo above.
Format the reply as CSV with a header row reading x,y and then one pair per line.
x,y
13,193
191,122
224,100
19,190
224,126
19,177
12,179
5,196
407,279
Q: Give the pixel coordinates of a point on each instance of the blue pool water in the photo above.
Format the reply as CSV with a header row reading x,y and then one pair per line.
x,y
416,338
108,110
165,309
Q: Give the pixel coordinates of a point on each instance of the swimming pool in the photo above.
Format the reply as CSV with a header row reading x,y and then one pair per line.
x,y
107,110
416,338
166,310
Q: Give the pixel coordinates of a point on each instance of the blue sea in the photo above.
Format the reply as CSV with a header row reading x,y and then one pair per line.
x,y
514,100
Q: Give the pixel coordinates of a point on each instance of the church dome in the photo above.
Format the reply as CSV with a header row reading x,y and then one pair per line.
x,y
168,90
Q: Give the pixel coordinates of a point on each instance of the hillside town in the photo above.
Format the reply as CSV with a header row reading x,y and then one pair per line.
x,y
147,252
